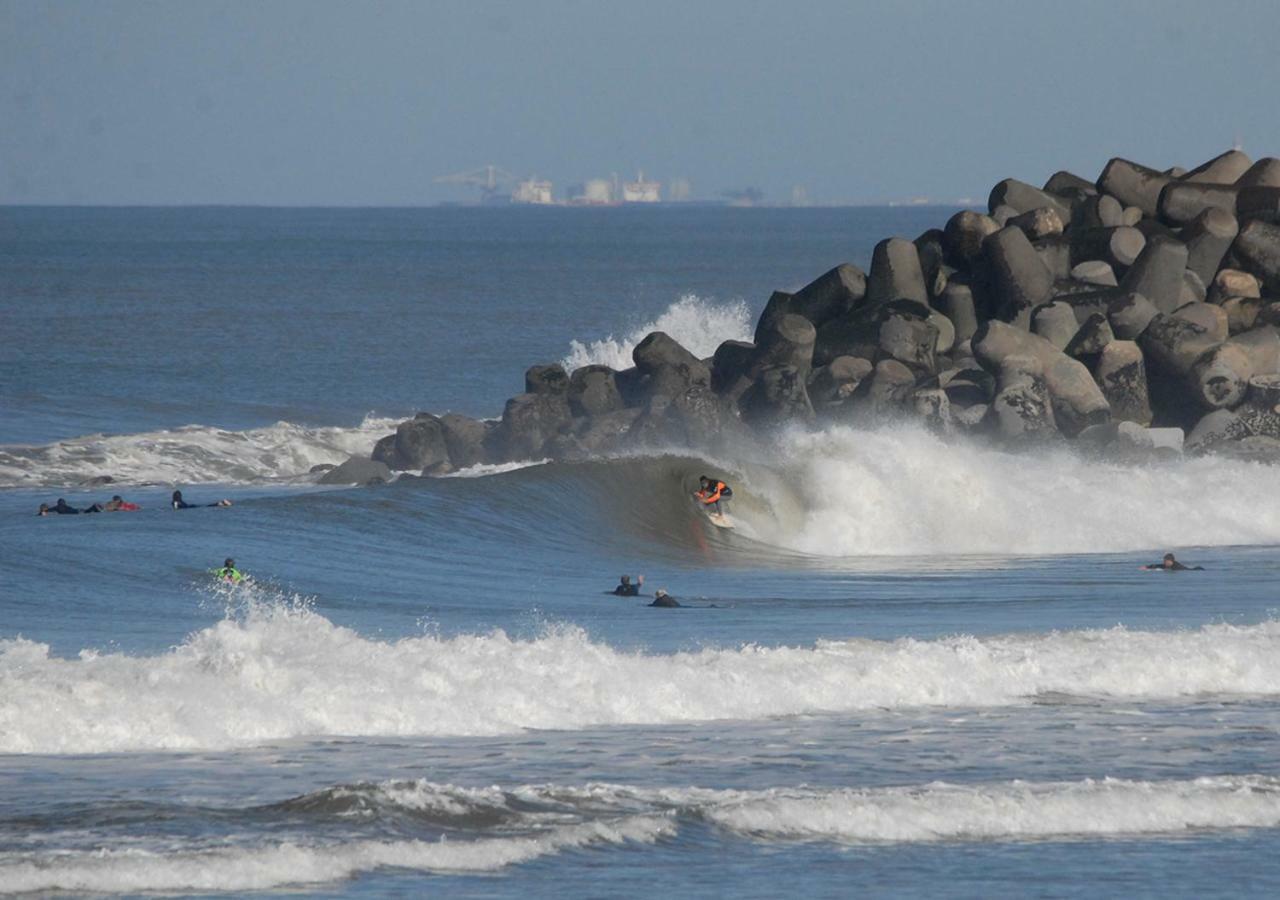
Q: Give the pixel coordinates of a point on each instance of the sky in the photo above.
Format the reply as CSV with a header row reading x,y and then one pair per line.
x,y
314,103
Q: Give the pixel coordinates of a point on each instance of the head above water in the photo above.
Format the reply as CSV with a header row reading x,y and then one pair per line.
x,y
626,579
117,498
1168,557
177,495
229,563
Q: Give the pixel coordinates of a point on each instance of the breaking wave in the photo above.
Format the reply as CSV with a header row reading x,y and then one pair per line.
x,y
278,671
190,455
904,491
696,324
489,829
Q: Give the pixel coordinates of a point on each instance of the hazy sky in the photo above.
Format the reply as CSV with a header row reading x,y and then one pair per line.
x,y
317,102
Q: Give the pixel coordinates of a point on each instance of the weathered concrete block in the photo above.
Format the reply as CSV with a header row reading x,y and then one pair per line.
x,y
1258,249
1090,338
1056,323
1224,168
1157,273
1077,400
1264,173
358,470
833,294
895,273
1094,271
1122,376
417,444
730,367
1181,201
1021,279
1208,238
788,341
835,384
1130,314
1022,198
593,391
963,237
957,304
1133,184
1118,247
1233,283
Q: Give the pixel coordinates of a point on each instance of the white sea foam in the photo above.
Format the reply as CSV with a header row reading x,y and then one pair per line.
x,y
552,818
279,672
698,325
905,491
191,455
281,864
1017,810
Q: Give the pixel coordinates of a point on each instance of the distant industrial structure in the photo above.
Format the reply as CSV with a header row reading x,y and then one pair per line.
x,y
498,186
533,190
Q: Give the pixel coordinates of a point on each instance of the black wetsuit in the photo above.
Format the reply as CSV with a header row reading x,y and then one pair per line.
x,y
1176,567
627,590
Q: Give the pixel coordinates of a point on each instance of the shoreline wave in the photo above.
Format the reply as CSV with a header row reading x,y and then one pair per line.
x,y
277,671
505,827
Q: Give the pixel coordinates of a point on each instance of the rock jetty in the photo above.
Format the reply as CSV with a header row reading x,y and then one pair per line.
x,y
1121,315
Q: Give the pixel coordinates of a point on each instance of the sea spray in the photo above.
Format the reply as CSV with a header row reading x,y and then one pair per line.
x,y
902,490
278,670
696,324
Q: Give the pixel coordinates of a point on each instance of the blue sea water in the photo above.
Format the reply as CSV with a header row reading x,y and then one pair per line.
x,y
919,667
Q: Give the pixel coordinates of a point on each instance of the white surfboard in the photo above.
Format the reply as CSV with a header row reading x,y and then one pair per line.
x,y
720,520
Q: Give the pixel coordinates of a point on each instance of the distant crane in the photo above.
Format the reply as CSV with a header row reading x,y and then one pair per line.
x,y
492,180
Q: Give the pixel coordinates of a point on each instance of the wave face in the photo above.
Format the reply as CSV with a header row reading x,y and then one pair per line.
x,y
279,671
498,828
191,455
698,325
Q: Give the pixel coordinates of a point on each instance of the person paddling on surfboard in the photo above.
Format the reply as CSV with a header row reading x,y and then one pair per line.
x,y
1171,564
228,573
712,494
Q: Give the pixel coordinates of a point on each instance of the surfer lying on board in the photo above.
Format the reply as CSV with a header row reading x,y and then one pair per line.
x,y
228,573
626,589
712,494
179,503
63,508
1170,564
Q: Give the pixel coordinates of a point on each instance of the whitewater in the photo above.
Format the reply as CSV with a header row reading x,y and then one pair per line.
x,y
920,666
281,671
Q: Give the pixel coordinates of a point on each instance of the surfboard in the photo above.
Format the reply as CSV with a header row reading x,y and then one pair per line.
x,y
720,520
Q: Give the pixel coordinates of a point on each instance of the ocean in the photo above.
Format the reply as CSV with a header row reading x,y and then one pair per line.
x,y
920,666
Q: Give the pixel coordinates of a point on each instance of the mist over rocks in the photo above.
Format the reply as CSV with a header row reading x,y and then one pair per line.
x,y
1117,314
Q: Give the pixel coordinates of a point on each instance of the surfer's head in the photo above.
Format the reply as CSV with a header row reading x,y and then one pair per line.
x,y
177,495
704,480
229,563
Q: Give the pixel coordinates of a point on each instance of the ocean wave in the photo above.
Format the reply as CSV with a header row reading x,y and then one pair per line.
x,y
191,455
278,671
510,826
698,325
904,491
295,863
